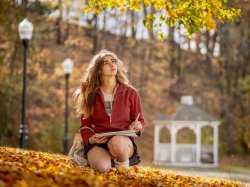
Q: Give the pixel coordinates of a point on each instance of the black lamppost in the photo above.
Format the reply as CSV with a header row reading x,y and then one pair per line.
x,y
67,67
25,29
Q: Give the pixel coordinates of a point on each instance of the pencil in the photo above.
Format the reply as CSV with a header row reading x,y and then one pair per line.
x,y
137,117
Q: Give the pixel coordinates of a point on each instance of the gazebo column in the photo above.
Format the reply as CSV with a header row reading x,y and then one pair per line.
x,y
156,143
173,143
198,144
215,148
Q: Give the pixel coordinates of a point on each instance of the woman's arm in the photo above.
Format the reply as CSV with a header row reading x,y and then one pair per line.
x,y
85,129
136,109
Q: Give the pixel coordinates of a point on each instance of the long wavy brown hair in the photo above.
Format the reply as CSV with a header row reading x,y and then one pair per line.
x,y
84,96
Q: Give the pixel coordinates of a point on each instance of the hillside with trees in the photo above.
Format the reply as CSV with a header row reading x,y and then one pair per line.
x,y
212,66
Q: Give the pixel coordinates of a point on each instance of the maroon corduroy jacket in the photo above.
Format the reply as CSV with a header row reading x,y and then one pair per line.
x,y
126,106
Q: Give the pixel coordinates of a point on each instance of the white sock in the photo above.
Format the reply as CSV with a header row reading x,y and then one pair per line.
x,y
124,164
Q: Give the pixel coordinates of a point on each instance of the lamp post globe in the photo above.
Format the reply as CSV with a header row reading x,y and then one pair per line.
x,y
67,68
25,29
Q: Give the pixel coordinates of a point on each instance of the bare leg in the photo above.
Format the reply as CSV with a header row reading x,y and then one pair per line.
x,y
121,148
99,159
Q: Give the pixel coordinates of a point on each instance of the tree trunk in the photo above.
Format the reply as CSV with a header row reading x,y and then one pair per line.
x,y
147,56
13,57
208,66
68,25
95,36
104,42
174,68
228,106
58,25
133,24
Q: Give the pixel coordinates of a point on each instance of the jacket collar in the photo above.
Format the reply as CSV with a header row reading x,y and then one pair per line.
x,y
121,89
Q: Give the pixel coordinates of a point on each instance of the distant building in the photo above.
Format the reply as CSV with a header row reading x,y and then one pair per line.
x,y
186,117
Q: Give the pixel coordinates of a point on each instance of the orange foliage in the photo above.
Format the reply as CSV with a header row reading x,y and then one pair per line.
x,y
29,168
170,111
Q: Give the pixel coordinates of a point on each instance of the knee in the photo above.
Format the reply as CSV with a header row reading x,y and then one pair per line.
x,y
102,167
118,148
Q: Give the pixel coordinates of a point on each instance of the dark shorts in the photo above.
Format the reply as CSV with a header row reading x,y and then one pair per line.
x,y
133,160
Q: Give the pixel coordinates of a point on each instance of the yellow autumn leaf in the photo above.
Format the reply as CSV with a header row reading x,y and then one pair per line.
x,y
23,168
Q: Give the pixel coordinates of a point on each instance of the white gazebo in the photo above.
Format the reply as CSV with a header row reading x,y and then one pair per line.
x,y
187,116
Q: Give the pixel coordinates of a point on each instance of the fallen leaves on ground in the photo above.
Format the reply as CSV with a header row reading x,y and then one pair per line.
x,y
22,168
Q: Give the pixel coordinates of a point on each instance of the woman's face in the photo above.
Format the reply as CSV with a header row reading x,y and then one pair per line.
x,y
109,66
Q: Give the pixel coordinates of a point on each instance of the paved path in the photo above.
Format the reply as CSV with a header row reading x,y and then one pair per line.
x,y
244,177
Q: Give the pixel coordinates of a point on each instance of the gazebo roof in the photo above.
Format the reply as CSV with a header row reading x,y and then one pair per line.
x,y
188,112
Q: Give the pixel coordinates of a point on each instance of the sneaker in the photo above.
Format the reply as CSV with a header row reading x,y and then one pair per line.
x,y
125,164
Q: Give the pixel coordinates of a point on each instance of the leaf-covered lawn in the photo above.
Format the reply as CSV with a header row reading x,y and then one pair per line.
x,y
29,168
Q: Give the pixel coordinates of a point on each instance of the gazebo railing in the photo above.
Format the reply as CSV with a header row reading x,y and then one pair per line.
x,y
185,152
164,153
207,155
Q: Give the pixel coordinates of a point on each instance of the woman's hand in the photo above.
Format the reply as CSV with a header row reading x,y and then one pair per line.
x,y
95,140
136,125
